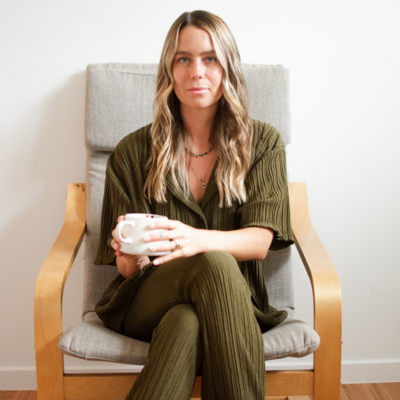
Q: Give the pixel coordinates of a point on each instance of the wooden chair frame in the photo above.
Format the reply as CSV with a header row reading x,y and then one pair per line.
x,y
322,382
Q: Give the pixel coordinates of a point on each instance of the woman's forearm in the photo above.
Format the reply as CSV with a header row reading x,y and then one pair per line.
x,y
244,244
185,241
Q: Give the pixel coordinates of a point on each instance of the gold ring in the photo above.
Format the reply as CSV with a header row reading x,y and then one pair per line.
x,y
177,245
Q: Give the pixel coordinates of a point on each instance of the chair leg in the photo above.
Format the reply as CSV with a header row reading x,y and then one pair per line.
x,y
49,373
327,373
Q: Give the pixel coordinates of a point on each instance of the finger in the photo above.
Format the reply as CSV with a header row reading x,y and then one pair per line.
x,y
169,257
115,245
164,235
170,246
114,235
160,236
164,224
175,253
177,245
114,231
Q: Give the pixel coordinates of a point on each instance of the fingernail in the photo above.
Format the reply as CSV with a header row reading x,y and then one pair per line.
x,y
156,262
152,226
153,248
146,238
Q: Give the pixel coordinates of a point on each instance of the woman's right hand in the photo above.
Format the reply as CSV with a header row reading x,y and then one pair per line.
x,y
127,264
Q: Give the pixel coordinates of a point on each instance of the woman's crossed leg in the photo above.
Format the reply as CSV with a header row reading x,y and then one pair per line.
x,y
198,315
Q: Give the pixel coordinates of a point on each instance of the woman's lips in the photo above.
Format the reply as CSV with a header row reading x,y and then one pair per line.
x,y
197,90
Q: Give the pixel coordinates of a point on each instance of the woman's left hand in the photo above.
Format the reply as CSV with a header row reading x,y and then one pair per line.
x,y
185,241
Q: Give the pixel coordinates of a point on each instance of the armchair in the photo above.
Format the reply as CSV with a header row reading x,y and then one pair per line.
x,y
119,100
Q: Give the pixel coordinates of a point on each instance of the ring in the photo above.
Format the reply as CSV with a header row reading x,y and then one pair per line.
x,y
177,245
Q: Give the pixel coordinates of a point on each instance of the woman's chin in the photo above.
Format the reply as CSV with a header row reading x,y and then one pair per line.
x,y
199,104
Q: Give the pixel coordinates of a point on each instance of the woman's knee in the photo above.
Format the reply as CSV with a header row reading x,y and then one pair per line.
x,y
218,264
181,318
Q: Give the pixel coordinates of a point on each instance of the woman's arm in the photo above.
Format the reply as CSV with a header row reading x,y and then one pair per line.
x,y
244,244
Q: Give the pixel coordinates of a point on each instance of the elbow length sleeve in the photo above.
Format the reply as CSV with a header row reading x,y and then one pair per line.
x,y
267,203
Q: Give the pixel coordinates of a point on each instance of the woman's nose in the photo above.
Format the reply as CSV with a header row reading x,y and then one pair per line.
x,y
197,70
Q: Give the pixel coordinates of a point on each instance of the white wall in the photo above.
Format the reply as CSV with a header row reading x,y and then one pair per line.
x,y
344,63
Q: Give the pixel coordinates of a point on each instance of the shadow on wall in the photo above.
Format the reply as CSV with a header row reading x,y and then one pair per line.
x,y
52,154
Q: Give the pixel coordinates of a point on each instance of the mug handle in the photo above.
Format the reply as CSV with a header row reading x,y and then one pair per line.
x,y
118,231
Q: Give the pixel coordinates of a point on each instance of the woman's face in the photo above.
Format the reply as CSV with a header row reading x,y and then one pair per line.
x,y
196,71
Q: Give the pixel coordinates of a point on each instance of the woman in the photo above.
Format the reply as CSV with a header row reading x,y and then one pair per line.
x,y
220,179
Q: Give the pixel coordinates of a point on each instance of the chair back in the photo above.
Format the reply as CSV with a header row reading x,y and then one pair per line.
x,y
119,100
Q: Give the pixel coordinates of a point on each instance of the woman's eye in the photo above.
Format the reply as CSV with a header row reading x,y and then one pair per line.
x,y
183,60
211,59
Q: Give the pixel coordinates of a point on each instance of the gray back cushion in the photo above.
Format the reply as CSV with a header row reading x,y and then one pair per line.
x,y
119,100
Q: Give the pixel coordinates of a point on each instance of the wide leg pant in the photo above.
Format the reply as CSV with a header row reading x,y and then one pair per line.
x,y
198,315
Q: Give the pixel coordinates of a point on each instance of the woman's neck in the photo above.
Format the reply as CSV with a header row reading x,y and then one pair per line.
x,y
198,124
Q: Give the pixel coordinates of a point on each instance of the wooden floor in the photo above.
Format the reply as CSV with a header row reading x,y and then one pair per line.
x,y
368,391
18,395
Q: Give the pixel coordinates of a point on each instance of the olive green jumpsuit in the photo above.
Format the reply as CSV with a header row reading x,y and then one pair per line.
x,y
203,315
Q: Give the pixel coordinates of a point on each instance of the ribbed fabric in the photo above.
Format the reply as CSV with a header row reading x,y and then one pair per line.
x,y
267,204
202,314
197,313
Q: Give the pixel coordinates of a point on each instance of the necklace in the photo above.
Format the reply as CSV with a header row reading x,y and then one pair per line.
x,y
202,180
198,155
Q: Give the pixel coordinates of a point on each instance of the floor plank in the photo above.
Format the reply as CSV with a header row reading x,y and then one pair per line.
x,y
360,392
379,391
343,394
6,394
365,391
371,391
25,395
392,389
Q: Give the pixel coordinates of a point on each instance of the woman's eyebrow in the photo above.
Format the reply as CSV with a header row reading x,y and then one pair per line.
x,y
184,52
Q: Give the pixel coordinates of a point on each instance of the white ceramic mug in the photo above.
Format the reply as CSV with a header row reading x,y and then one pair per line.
x,y
131,232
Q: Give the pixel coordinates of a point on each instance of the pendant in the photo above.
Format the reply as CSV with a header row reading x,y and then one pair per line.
x,y
203,184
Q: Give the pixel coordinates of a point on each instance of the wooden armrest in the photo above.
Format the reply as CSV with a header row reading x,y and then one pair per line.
x,y
325,285
50,285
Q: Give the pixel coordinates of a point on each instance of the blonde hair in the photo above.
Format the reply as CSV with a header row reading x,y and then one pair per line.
x,y
232,130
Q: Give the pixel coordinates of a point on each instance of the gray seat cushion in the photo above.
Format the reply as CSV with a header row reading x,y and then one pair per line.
x,y
90,340
291,338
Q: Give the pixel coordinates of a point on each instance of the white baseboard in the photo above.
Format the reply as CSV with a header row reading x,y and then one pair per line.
x,y
24,378
368,371
15,378
371,371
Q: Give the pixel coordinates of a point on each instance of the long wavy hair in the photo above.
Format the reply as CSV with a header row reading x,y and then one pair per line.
x,y
232,130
